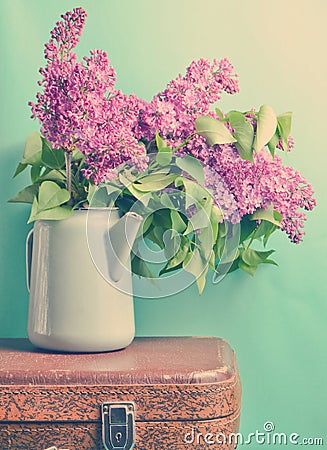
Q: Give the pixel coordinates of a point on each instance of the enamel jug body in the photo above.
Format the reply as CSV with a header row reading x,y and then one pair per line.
x,y
75,305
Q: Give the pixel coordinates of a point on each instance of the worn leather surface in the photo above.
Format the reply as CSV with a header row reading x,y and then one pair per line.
x,y
153,402
145,361
149,435
55,399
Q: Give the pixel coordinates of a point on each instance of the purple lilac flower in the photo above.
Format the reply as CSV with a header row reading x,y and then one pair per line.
x,y
110,142
221,195
290,144
260,183
140,163
79,105
173,111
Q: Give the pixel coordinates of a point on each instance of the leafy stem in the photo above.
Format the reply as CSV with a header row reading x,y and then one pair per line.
x,y
252,237
68,162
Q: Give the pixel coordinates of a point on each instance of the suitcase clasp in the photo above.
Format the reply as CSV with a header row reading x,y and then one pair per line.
x,y
118,425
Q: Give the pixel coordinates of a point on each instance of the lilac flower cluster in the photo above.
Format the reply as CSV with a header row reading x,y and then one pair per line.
x,y
173,111
80,108
222,196
256,185
110,141
79,105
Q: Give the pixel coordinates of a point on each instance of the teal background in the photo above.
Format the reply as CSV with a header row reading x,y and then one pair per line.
x,y
276,321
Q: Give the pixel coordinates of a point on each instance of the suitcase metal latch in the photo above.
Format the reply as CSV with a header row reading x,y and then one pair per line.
x,y
118,425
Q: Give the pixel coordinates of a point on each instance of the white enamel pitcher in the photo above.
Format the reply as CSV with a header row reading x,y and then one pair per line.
x,y
79,278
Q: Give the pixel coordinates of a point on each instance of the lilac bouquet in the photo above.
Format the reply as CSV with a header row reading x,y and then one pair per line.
x,y
173,158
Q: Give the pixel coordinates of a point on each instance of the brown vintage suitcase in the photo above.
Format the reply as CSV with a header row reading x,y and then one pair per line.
x,y
159,393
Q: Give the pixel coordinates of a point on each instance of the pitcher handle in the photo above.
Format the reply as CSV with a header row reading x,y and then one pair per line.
x,y
29,247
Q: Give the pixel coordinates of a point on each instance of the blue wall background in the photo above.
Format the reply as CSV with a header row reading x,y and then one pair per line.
x,y
276,321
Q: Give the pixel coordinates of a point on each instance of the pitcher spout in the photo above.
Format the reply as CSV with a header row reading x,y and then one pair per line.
x,y
121,237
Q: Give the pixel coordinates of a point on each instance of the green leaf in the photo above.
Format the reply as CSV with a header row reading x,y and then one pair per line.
x,y
164,156
33,149
201,280
246,268
57,213
219,113
220,246
201,219
197,266
223,229
154,182
277,215
216,214
91,191
244,154
268,214
172,241
268,234
177,223
266,127
140,268
165,200
99,196
272,144
194,192
205,242
179,255
222,269
265,229
243,132
153,177
270,261
213,130
124,178
234,266
212,260
284,122
145,225
162,218
53,175
77,155
247,228
35,173
113,193
229,256
130,187
51,195
52,157
214,229
215,218
167,269
26,195
255,257
192,166
156,235
194,263
160,142
20,169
